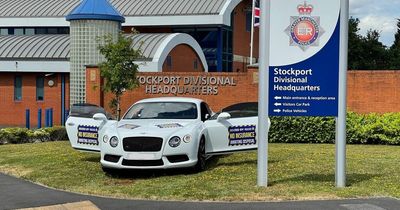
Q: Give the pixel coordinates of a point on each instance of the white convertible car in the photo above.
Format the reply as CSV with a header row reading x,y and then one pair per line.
x,y
162,133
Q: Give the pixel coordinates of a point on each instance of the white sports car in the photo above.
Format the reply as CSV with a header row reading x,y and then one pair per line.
x,y
162,133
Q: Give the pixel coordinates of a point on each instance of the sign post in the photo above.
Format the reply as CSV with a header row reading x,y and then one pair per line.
x,y
340,175
262,159
303,57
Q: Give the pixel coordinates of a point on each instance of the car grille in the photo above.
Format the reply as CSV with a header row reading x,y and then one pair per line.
x,y
142,144
142,162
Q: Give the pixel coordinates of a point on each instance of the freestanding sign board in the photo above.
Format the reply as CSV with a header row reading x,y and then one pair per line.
x,y
304,58
302,69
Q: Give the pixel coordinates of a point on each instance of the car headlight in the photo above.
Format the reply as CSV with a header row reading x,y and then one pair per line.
x,y
187,138
105,138
174,141
114,141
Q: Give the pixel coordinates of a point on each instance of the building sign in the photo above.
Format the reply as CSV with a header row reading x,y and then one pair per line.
x,y
304,58
187,85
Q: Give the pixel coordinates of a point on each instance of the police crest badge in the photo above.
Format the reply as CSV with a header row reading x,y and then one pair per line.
x,y
304,30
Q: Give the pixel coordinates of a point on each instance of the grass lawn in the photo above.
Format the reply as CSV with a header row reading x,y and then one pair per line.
x,y
296,171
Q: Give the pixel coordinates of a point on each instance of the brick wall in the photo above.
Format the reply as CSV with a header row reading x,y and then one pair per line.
x,y
182,60
241,37
243,90
93,86
368,91
373,91
13,112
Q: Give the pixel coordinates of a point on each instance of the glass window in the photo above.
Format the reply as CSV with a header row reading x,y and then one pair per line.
x,y
64,30
41,31
39,88
247,109
248,21
52,30
4,31
86,110
18,31
29,31
205,112
18,88
227,49
11,31
169,61
195,64
208,40
162,110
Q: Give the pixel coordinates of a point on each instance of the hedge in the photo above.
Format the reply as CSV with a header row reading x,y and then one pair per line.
x,y
23,135
361,129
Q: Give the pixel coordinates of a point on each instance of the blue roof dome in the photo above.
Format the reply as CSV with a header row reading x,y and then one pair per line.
x,y
95,10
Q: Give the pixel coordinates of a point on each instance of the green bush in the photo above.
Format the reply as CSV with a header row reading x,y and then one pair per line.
x,y
23,135
302,130
39,135
14,135
361,129
57,133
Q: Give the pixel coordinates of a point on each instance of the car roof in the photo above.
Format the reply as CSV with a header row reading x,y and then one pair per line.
x,y
171,99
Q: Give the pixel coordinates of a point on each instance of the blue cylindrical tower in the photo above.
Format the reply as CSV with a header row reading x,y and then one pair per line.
x,y
88,21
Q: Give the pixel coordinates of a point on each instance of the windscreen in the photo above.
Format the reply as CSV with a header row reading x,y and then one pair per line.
x,y
162,110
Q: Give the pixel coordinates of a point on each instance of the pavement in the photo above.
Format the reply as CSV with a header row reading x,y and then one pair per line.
x,y
17,194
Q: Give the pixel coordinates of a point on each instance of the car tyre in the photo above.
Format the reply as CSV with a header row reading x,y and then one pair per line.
x,y
201,156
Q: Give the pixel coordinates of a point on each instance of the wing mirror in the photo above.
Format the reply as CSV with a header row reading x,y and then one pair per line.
x,y
100,117
223,116
207,116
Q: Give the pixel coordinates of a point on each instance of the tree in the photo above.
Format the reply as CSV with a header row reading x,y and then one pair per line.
x,y
355,44
374,51
396,43
366,52
395,49
119,68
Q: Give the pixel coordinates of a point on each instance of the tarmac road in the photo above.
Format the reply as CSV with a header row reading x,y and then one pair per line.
x,y
16,193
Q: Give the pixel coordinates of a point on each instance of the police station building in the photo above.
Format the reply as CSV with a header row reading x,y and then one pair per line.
x,y
47,47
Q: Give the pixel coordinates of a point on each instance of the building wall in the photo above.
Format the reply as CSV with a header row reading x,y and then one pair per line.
x,y
242,38
182,59
368,91
242,91
13,112
93,86
83,45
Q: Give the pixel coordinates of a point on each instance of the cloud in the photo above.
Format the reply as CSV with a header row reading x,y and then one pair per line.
x,y
377,15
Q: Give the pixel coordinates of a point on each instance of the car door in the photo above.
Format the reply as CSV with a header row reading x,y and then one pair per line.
x,y
83,131
235,130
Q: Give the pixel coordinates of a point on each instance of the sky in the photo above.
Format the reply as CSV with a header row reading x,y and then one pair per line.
x,y
381,15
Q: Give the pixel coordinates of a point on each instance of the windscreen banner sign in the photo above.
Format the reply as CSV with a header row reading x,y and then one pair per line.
x,y
304,58
88,135
242,135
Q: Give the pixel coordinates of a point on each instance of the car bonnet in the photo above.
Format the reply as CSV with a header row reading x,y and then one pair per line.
x,y
156,128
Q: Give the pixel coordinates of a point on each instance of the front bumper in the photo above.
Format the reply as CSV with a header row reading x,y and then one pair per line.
x,y
158,162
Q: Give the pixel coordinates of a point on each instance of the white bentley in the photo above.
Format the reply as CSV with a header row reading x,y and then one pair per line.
x,y
163,133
